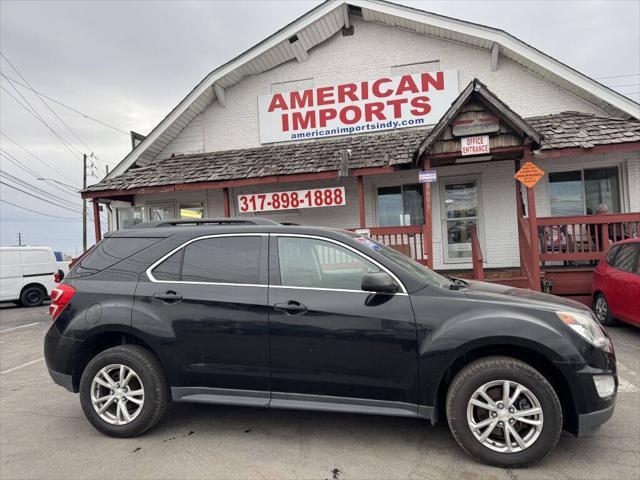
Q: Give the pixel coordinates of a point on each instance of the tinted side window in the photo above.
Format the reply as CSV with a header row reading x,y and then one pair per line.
x,y
222,260
626,258
307,262
170,268
109,252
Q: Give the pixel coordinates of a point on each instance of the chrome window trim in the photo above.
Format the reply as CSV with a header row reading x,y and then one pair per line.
x,y
335,290
348,247
153,279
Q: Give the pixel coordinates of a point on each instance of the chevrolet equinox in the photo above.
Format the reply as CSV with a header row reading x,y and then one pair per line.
x,y
250,312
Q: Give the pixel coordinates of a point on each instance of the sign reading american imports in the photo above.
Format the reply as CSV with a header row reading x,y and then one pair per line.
x,y
359,107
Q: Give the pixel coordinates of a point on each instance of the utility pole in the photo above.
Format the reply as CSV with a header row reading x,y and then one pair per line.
x,y
84,203
20,239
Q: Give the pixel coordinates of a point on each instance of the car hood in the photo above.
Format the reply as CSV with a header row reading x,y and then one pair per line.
x,y
502,293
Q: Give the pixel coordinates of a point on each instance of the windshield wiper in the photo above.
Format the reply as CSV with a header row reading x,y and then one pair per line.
x,y
457,283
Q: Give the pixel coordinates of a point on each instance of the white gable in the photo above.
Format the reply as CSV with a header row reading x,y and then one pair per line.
x,y
387,39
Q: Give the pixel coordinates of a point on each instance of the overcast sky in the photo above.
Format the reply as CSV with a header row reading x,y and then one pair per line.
x,y
128,63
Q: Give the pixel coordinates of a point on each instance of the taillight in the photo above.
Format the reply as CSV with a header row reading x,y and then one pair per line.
x,y
56,277
60,298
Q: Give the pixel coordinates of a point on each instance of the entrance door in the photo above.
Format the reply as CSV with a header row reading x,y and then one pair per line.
x,y
329,338
460,209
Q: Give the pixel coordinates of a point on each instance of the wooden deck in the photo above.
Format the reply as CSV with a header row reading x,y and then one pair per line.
x,y
559,258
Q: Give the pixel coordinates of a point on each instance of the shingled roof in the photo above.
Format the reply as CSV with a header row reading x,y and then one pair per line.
x,y
563,130
575,129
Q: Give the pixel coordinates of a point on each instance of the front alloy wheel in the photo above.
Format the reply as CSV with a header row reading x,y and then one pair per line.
x,y
504,412
601,309
505,416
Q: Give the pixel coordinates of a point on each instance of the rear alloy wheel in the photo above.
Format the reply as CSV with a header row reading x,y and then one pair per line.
x,y
601,308
117,394
123,391
504,412
32,296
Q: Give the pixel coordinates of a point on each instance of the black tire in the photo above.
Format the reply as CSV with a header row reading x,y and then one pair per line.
x,y
33,296
152,377
601,309
488,369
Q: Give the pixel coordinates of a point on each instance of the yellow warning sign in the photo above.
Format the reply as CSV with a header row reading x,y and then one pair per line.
x,y
529,174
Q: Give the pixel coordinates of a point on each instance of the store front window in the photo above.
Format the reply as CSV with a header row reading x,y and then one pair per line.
x,y
129,216
400,206
191,210
579,192
160,212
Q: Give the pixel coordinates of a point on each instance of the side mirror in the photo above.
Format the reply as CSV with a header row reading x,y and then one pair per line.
x,y
379,282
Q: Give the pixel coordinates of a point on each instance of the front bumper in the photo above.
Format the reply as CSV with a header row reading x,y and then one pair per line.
x,y
590,409
589,423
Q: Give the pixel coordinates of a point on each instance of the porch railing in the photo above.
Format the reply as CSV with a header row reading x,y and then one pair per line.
x,y
527,263
407,240
476,255
583,238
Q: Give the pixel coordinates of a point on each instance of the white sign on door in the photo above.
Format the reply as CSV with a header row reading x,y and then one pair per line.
x,y
474,145
359,107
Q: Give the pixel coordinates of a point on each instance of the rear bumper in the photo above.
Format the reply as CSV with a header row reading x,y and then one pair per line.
x,y
62,379
59,353
589,423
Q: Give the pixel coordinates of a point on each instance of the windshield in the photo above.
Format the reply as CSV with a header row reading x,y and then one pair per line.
x,y
423,273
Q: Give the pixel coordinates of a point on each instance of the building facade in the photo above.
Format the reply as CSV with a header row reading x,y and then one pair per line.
x,y
354,100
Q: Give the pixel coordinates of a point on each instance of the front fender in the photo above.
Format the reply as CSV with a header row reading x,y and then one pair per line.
x,y
446,335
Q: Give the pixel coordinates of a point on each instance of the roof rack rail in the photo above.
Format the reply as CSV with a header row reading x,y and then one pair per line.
x,y
205,222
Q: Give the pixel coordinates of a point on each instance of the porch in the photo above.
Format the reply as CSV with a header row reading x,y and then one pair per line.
x,y
569,250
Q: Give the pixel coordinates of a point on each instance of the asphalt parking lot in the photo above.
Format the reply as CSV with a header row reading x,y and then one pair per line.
x,y
44,434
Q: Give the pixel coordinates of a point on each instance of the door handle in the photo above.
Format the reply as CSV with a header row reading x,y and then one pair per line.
x,y
291,307
169,297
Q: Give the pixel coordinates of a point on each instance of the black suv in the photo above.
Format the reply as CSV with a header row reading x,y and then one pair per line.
x,y
249,312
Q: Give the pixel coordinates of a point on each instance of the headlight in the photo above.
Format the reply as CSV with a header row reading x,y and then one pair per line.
x,y
585,326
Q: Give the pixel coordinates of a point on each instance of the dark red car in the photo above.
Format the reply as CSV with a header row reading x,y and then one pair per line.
x,y
616,284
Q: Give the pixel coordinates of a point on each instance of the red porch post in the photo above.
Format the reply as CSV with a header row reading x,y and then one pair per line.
x,y
225,195
533,229
363,221
427,227
96,220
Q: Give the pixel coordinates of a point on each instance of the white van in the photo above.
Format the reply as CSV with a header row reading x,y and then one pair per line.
x,y
27,274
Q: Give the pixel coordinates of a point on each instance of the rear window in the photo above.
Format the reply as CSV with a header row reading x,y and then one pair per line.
x,y
109,252
214,260
222,260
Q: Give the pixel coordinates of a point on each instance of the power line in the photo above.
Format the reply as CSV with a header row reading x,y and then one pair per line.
x,y
38,197
45,103
39,213
15,69
88,117
36,189
35,174
33,112
36,157
618,76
